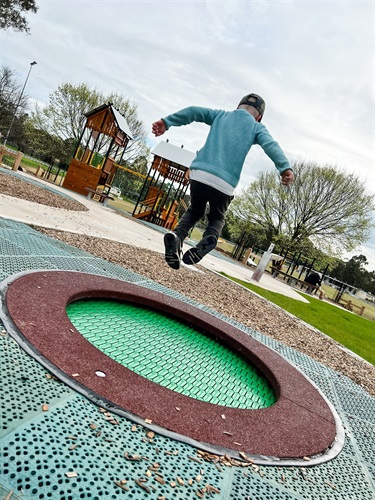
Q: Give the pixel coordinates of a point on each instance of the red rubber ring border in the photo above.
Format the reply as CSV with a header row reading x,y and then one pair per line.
x,y
300,424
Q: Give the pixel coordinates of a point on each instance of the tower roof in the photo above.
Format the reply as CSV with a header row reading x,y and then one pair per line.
x,y
107,120
175,154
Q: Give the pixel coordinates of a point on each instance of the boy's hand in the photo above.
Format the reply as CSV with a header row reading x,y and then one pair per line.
x,y
158,128
287,177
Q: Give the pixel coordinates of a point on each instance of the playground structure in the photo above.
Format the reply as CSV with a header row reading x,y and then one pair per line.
x,y
291,267
98,153
294,268
344,288
165,186
297,266
17,155
286,264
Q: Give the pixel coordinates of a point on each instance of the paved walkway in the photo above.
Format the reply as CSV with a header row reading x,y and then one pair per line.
x,y
105,222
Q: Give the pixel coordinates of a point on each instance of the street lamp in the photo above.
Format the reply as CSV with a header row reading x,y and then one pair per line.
x,y
18,103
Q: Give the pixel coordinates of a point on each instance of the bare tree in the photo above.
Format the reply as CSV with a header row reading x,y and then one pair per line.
x,y
324,204
10,102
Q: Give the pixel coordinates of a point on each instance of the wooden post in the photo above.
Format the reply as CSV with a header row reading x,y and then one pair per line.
x,y
246,256
18,158
40,172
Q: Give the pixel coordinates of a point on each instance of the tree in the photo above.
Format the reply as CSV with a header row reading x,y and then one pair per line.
x,y
354,273
64,116
44,146
351,272
11,14
10,103
324,205
258,209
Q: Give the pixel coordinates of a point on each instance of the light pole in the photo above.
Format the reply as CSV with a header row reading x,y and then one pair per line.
x,y
18,103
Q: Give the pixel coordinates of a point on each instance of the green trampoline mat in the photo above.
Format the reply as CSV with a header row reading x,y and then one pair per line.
x,y
171,353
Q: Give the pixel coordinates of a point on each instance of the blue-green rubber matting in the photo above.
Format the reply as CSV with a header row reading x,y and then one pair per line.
x,y
171,353
57,444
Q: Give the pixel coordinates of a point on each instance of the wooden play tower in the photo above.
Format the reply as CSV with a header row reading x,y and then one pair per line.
x,y
165,185
100,148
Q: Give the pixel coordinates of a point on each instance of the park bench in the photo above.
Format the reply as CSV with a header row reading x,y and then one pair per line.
x,y
295,282
102,197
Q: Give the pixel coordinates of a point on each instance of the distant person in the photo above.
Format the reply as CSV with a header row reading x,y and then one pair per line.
x,y
314,279
278,264
215,171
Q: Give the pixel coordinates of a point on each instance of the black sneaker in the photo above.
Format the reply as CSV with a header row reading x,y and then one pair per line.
x,y
173,250
196,254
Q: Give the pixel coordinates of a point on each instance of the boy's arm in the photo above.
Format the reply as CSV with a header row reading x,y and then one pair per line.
x,y
287,177
184,117
274,151
158,128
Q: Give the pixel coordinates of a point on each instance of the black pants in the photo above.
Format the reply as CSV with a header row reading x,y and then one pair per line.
x,y
200,195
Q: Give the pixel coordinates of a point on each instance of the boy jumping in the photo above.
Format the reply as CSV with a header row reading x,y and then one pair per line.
x,y
215,171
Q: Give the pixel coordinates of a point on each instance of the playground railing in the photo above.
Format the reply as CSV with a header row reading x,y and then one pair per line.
x,y
292,281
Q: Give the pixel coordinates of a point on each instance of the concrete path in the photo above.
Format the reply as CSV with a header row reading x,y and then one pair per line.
x,y
105,222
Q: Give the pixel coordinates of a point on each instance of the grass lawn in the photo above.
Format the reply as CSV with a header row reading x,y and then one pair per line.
x,y
350,330
223,244
126,206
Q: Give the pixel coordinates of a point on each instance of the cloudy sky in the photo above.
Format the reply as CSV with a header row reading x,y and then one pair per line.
x,y
311,60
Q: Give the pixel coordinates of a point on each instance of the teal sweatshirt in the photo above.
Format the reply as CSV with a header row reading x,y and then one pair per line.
x,y
232,133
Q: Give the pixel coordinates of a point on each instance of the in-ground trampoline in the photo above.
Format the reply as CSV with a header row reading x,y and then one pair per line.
x,y
170,366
